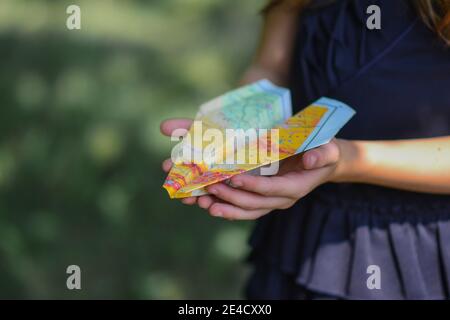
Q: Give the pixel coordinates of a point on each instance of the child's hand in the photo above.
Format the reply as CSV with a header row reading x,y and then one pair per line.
x,y
255,196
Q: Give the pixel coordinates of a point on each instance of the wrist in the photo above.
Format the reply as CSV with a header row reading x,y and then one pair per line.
x,y
350,164
257,72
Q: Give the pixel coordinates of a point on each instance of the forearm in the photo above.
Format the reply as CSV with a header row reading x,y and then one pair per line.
x,y
421,165
272,58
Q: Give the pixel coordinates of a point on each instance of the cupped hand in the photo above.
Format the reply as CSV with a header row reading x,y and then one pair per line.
x,y
254,196
251,197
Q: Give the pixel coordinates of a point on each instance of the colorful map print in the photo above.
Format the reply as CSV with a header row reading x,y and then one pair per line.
x,y
261,105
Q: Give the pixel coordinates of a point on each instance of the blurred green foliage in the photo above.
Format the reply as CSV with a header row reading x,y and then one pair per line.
x,y
80,148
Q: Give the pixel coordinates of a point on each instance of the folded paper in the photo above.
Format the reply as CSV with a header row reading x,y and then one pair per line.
x,y
256,127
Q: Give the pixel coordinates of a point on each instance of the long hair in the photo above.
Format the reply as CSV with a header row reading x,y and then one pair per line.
x,y
434,13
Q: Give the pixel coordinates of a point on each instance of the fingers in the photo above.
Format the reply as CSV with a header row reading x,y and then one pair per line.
x,y
205,202
231,212
167,127
322,156
275,186
167,165
189,201
244,199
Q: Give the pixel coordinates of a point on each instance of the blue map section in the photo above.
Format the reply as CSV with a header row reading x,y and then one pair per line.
x,y
259,105
335,118
283,93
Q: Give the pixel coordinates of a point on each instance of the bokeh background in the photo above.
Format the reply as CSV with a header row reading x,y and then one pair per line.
x,y
80,148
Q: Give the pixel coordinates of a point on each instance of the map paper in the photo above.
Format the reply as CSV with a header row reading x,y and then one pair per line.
x,y
262,106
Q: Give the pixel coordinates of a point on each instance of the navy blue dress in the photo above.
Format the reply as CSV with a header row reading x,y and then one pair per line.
x,y
398,80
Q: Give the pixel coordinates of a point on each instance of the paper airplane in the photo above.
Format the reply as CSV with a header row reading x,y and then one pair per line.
x,y
246,129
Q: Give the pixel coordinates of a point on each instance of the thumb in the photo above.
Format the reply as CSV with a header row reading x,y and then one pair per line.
x,y
322,156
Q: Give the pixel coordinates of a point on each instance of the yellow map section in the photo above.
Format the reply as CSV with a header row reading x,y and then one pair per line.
x,y
190,179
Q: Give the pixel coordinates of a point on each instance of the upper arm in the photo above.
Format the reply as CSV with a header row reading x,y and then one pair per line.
x,y
277,39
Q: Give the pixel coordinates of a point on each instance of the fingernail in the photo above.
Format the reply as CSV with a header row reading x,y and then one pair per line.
x,y
237,183
217,214
312,161
213,190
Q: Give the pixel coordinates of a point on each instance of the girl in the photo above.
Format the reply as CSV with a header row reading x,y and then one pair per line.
x,y
366,216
